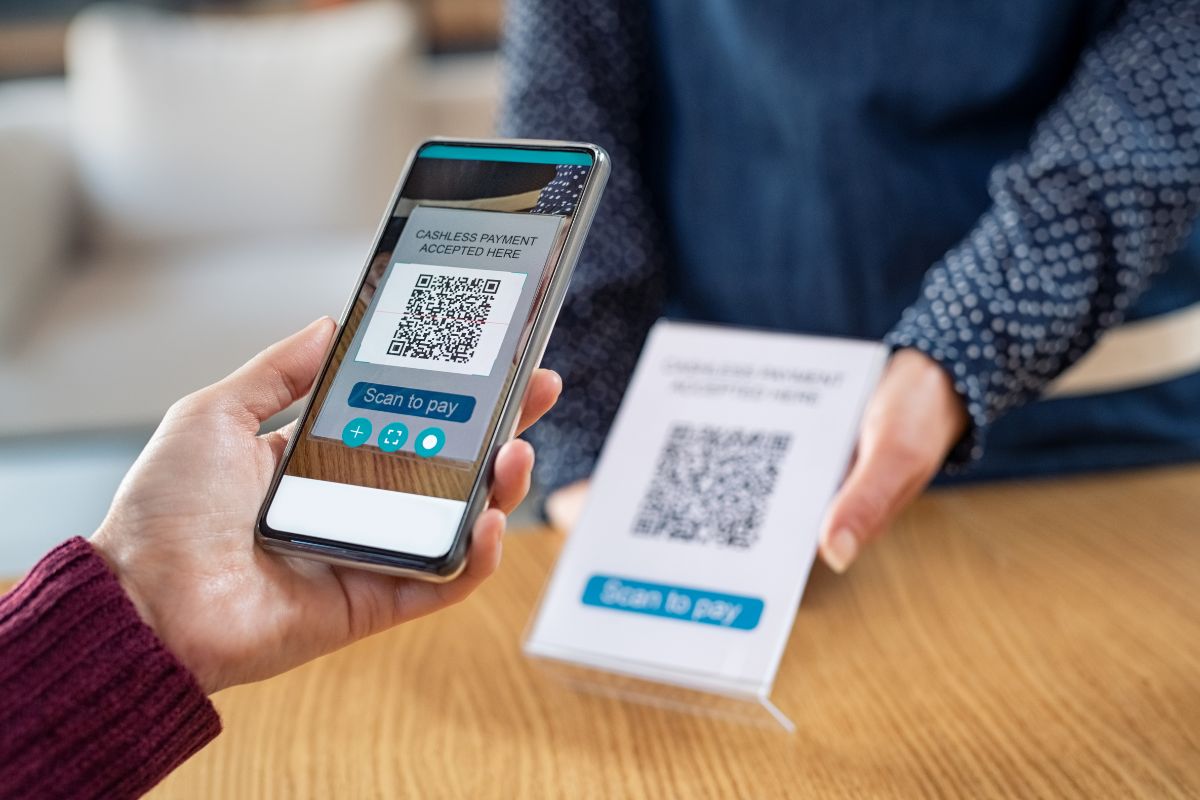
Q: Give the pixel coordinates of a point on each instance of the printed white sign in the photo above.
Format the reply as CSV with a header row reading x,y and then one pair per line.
x,y
692,553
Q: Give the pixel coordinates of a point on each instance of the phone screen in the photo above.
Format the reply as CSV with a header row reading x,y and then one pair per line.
x,y
398,428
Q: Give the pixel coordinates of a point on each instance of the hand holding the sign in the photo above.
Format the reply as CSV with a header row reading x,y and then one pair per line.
x,y
913,419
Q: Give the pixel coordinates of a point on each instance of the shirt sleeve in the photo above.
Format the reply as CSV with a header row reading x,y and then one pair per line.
x,y
91,702
576,71
1079,223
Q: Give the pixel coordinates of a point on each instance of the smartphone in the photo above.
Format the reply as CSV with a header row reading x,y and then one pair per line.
x,y
392,457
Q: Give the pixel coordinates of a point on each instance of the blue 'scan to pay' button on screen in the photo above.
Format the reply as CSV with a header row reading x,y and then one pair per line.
x,y
441,406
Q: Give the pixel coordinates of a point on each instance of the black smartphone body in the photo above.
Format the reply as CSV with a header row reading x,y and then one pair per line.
x,y
392,458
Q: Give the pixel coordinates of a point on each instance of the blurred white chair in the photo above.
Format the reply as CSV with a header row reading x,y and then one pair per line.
x,y
196,188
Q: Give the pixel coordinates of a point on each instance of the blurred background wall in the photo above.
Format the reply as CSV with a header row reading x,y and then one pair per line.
x,y
32,32
182,183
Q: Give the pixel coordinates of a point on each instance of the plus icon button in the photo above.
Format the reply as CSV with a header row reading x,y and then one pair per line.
x,y
356,432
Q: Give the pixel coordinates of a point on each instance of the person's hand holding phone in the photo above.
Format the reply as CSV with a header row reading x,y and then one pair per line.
x,y
180,533
913,420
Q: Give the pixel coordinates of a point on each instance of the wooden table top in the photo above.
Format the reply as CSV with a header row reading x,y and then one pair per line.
x,y
1026,639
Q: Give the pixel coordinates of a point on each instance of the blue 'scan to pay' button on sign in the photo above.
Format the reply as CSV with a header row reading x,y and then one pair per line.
x,y
674,602
412,402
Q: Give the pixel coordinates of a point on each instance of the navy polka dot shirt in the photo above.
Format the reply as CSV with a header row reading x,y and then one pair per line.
x,y
1095,186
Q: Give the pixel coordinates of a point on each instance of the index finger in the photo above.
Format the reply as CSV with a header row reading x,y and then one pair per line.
x,y
544,388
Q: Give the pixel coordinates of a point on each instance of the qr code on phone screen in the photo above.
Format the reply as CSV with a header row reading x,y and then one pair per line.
x,y
711,485
444,318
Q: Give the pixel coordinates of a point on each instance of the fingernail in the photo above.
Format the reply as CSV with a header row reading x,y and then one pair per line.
x,y
841,550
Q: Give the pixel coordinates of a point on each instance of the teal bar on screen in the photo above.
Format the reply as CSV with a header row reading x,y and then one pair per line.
x,y
517,154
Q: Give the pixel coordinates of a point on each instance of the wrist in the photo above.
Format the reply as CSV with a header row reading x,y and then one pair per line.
x,y
103,543
926,378
121,563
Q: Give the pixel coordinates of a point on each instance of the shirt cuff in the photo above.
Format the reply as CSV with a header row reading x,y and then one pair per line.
x,y
92,704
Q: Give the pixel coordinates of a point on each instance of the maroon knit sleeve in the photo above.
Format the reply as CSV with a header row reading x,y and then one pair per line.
x,y
91,702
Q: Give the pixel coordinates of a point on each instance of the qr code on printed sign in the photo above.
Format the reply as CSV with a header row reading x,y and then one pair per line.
x,y
444,318
711,485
